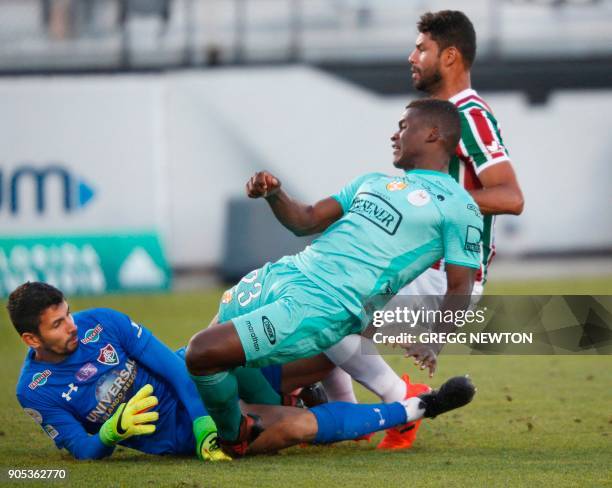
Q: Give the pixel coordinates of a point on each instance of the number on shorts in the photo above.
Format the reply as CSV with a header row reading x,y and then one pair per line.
x,y
254,293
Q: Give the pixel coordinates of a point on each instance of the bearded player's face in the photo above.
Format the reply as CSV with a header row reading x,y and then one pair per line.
x,y
425,64
57,331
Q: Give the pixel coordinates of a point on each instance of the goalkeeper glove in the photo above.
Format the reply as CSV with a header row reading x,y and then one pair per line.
x,y
207,445
131,418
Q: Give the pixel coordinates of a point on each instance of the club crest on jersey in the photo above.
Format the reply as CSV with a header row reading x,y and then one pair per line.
x,y
39,379
86,372
92,335
418,198
396,185
227,297
108,356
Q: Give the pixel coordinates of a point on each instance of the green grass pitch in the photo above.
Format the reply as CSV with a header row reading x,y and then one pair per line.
x,y
543,421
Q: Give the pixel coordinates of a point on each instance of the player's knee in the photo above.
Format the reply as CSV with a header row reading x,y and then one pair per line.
x,y
213,350
199,358
191,358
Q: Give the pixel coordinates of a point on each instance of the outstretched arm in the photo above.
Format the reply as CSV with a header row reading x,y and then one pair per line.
x,y
299,218
140,344
159,359
129,419
67,432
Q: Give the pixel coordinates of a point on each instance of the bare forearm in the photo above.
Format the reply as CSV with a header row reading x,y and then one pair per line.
x,y
499,200
294,215
453,302
297,426
299,218
500,192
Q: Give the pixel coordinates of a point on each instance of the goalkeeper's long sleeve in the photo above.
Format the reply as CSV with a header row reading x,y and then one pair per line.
x,y
59,423
89,447
158,358
115,357
162,361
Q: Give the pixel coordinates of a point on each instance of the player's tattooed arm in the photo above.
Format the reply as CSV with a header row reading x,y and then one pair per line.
x,y
299,218
501,193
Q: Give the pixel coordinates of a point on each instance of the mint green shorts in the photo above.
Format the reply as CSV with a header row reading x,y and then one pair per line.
x,y
281,315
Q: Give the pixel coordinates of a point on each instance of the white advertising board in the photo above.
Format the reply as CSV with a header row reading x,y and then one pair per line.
x,y
165,153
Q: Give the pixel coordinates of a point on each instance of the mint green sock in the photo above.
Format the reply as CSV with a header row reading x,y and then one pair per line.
x,y
219,392
253,387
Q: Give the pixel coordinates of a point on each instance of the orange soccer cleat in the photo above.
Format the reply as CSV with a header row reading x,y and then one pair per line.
x,y
403,436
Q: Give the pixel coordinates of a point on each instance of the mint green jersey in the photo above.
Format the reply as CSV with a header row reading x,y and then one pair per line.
x,y
393,229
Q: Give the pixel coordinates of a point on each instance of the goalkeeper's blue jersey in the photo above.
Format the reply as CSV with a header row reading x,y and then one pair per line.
x,y
75,397
393,229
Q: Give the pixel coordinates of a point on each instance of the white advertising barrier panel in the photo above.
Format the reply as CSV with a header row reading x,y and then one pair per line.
x,y
163,154
81,174
562,153
317,132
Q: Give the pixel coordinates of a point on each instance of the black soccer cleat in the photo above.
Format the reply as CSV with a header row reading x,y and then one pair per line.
x,y
454,393
313,395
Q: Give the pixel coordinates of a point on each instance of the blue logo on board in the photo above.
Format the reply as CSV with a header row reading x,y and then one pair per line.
x,y
75,192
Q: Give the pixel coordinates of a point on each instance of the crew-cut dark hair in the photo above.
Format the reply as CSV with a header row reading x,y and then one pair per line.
x,y
27,302
443,115
451,28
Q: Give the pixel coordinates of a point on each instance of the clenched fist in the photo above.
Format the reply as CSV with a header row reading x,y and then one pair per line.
x,y
262,184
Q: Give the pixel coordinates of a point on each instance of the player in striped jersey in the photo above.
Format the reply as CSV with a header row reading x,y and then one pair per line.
x,y
441,61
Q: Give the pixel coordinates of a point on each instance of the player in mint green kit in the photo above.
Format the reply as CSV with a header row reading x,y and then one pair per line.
x,y
379,233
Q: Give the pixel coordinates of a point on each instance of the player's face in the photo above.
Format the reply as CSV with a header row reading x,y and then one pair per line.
x,y
425,64
408,140
57,331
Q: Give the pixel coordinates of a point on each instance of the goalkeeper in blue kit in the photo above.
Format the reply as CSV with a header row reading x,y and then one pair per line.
x,y
98,379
